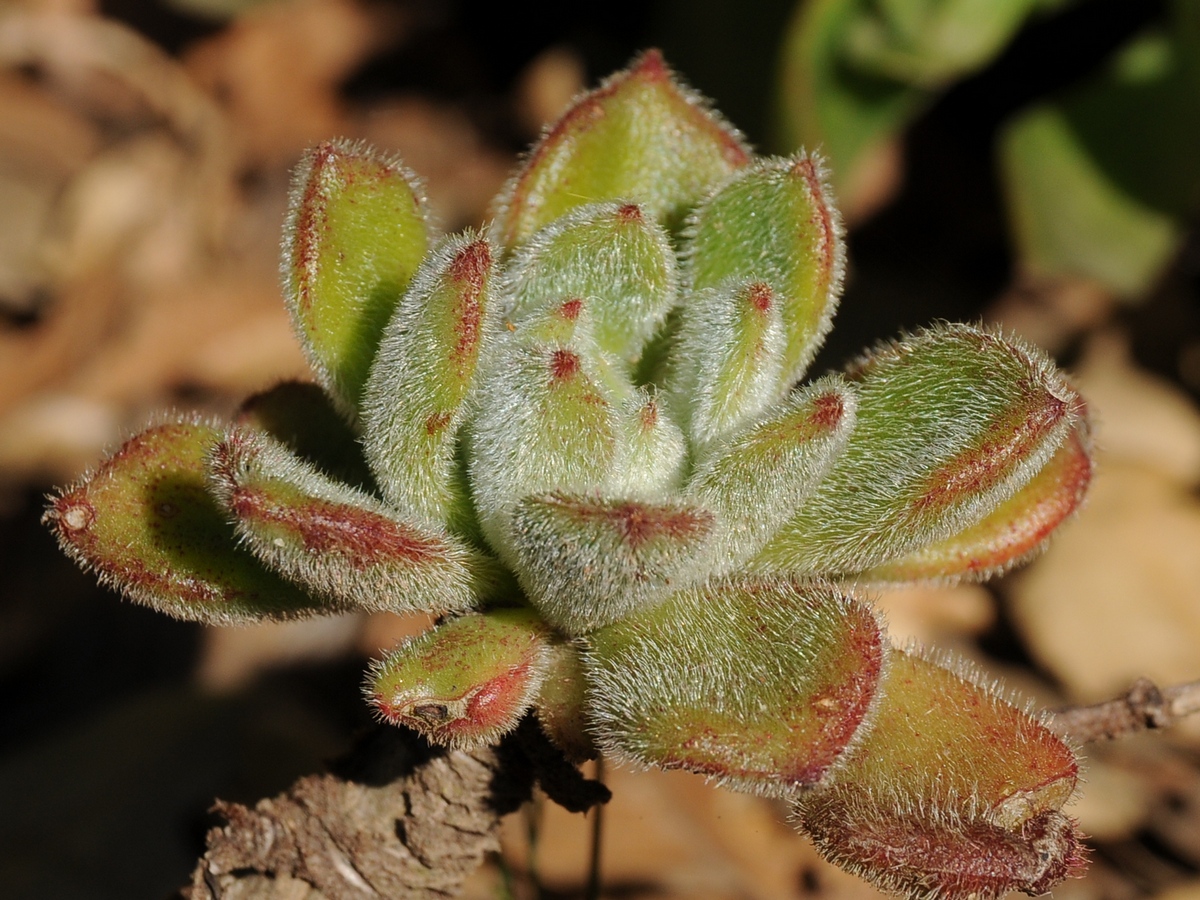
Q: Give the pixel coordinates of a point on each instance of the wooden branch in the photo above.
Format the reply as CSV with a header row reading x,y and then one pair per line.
x,y
1144,706
397,818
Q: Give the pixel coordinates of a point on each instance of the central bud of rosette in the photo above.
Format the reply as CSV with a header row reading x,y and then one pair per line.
x,y
583,440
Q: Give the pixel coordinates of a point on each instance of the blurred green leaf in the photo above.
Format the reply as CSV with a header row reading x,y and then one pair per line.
x,y
856,72
827,104
1099,180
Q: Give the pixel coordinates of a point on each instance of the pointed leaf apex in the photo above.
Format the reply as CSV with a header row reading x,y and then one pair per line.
x,y
760,296
630,212
564,364
639,136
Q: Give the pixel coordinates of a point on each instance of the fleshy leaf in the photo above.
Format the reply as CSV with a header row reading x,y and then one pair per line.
x,y
145,522
1018,529
466,682
586,562
951,423
640,136
953,793
356,232
760,684
728,359
561,702
789,237
548,421
335,540
303,418
612,255
651,450
419,385
755,481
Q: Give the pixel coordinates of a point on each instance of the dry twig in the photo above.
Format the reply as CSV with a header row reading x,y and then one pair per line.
x,y
1144,706
396,819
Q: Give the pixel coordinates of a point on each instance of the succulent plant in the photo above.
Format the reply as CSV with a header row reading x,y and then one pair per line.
x,y
581,438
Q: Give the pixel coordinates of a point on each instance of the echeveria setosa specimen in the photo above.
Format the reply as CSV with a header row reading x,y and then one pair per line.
x,y
584,438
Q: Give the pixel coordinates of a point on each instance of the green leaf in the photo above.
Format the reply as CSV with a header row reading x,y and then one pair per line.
x,y
562,702
728,359
651,450
335,540
760,684
825,102
355,234
951,423
1101,181
952,793
934,42
788,238
641,136
612,256
419,387
1016,531
465,683
587,561
756,480
549,420
145,522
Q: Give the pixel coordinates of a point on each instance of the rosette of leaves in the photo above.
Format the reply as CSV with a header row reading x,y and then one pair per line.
x,y
582,438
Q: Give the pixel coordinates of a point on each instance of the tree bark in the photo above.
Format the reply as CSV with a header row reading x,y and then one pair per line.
x,y
396,818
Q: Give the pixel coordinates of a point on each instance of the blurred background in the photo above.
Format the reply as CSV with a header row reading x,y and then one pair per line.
x,y
1034,163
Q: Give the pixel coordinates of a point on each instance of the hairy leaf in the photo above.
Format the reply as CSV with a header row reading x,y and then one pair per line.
x,y
760,684
417,394
953,793
145,522
586,562
756,480
728,359
561,702
356,232
548,421
640,136
951,423
335,540
789,238
611,255
466,682
1018,529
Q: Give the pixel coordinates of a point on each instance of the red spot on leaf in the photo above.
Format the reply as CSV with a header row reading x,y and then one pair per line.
x,y
470,268
564,364
630,213
437,422
649,414
571,309
760,295
828,410
472,264
651,66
